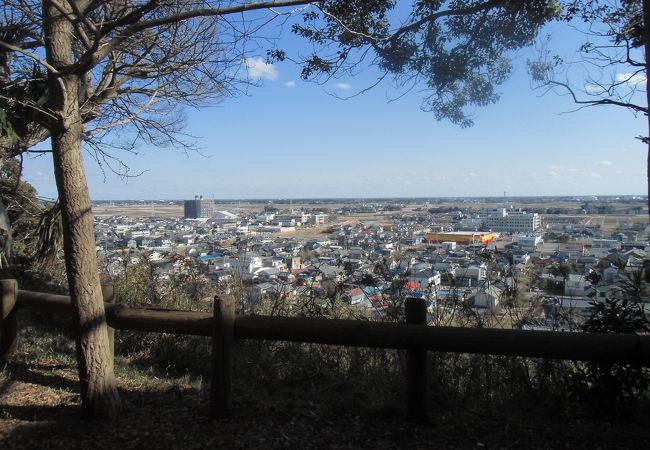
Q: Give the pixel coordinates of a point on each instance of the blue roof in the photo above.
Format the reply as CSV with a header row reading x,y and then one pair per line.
x,y
371,290
207,257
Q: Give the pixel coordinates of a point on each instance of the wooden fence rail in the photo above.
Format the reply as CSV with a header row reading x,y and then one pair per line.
x,y
415,337
622,348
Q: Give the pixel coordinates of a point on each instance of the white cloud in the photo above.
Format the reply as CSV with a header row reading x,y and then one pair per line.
x,y
39,174
629,78
434,179
558,169
594,89
343,86
290,84
258,68
472,174
571,173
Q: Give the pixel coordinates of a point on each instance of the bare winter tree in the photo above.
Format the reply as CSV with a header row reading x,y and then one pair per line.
x,y
611,66
74,70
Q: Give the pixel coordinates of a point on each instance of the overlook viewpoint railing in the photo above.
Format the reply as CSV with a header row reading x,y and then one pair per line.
x,y
414,336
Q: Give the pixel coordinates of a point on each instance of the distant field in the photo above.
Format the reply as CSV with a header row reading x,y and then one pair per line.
x,y
170,211
146,210
607,222
164,211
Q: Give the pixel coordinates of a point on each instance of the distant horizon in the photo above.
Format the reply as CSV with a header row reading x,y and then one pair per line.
x,y
487,198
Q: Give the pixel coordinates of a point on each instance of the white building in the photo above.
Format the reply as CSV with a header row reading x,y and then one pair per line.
x,y
520,258
487,297
425,279
605,243
449,246
318,219
297,218
472,223
601,247
470,276
530,242
265,217
224,217
246,264
512,221
577,286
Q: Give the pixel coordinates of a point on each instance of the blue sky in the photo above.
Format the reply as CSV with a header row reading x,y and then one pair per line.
x,y
293,139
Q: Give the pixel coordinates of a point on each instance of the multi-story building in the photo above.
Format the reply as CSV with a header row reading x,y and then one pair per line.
x,y
292,218
318,218
512,221
530,242
198,208
461,237
607,244
601,247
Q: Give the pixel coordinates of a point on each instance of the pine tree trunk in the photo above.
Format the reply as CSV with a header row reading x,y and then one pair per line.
x,y
646,44
99,394
5,223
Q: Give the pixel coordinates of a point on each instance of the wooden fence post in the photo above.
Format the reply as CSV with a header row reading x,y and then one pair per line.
x,y
109,297
8,318
223,339
416,365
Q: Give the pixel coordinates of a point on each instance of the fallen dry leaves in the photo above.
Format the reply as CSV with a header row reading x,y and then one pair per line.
x,y
39,408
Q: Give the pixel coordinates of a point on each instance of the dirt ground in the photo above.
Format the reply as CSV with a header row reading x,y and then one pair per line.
x,y
39,408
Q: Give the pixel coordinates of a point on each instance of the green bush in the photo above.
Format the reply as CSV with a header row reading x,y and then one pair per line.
x,y
611,383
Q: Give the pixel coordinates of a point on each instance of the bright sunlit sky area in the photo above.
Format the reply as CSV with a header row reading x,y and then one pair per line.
x,y
294,139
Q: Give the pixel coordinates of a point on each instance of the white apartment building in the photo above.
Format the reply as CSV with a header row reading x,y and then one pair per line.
x,y
577,286
601,247
530,242
318,219
605,243
472,223
512,221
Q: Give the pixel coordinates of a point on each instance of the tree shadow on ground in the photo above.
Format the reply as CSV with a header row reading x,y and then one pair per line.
x,y
40,407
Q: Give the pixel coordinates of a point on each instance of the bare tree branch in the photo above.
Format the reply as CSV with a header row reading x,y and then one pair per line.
x,y
17,49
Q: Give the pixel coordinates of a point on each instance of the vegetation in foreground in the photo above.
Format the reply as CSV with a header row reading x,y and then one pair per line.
x,y
308,396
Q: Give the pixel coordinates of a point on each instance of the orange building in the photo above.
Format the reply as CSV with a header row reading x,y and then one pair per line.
x,y
461,237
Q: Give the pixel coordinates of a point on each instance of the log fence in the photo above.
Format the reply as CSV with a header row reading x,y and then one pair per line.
x,y
414,336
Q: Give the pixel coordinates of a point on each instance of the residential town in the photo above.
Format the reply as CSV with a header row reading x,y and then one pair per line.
x,y
549,269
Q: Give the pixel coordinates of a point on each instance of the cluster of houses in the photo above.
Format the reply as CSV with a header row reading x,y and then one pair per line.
x,y
373,265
